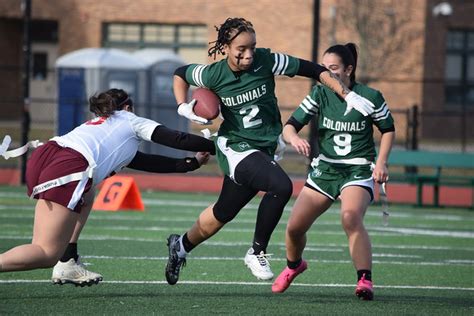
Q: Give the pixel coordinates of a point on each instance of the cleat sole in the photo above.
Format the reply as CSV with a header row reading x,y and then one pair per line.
x,y
365,295
76,283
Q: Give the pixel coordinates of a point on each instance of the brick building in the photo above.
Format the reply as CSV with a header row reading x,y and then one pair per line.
x,y
415,52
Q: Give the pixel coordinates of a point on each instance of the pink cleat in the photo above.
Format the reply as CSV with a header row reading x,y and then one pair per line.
x,y
287,276
364,289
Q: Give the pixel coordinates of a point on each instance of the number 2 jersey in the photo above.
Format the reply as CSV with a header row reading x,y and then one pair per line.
x,y
249,105
345,138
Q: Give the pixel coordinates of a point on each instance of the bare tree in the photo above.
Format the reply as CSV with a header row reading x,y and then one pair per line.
x,y
386,29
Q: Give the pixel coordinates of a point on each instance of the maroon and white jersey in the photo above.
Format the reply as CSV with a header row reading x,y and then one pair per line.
x,y
109,144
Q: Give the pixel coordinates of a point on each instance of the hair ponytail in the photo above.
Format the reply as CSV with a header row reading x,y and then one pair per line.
x,y
353,49
106,103
348,55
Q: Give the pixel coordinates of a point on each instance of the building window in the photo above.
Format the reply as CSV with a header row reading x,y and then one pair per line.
x,y
189,41
40,66
459,70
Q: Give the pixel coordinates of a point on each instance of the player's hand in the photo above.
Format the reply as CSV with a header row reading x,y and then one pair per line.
x,y
186,110
301,145
202,158
380,173
358,103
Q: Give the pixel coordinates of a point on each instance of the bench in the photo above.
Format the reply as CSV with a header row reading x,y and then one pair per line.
x,y
430,168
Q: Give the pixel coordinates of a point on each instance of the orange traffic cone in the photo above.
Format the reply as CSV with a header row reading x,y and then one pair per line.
x,y
119,193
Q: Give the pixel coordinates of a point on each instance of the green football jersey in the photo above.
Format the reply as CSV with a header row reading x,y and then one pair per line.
x,y
249,105
344,137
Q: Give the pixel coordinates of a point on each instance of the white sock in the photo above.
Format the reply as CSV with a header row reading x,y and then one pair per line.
x,y
181,252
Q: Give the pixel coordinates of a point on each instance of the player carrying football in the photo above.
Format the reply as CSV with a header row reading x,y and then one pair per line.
x,y
247,138
343,168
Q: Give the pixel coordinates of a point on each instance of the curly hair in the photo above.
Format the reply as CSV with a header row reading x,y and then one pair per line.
x,y
106,103
226,33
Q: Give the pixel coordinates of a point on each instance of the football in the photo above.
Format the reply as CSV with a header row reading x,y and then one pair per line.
x,y
207,103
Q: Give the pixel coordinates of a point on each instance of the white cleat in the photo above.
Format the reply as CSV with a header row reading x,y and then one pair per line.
x,y
259,265
75,273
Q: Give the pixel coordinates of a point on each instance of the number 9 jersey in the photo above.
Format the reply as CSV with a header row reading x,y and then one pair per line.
x,y
345,139
249,105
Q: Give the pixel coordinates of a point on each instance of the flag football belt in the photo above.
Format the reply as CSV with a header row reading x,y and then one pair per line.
x,y
16,152
351,161
77,176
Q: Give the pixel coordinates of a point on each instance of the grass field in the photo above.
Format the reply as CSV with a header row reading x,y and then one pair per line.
x,y
423,264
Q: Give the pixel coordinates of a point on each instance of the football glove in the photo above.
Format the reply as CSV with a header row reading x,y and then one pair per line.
x,y
358,103
186,110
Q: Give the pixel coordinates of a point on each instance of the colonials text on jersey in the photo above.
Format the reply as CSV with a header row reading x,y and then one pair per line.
x,y
343,126
246,96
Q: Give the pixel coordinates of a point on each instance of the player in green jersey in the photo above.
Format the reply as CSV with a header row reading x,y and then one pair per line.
x,y
247,138
344,167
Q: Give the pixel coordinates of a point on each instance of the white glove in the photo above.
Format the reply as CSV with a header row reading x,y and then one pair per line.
x,y
361,104
186,110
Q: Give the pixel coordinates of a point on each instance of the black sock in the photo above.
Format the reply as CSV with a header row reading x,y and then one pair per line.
x,y
257,248
71,252
368,274
293,264
188,246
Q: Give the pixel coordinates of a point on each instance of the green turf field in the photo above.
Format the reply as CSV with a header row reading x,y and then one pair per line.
x,y
423,264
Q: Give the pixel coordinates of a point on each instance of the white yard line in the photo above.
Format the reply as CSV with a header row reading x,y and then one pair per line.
x,y
412,287
446,262
86,236
373,230
253,206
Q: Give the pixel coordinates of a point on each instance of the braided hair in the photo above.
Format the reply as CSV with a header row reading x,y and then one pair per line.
x,y
226,33
106,103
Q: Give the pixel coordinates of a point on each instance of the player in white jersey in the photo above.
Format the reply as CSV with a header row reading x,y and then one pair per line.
x,y
62,173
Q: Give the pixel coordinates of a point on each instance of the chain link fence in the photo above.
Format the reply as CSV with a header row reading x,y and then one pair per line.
x,y
415,128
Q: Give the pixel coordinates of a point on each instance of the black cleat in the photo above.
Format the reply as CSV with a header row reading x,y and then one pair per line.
x,y
174,261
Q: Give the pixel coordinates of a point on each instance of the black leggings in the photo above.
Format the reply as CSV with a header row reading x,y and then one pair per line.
x,y
257,172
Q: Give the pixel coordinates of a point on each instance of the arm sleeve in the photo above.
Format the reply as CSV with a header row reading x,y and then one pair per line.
x,y
387,130
297,125
162,164
181,72
310,69
181,140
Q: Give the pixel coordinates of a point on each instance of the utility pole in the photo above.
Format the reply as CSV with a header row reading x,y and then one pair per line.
x,y
26,119
313,127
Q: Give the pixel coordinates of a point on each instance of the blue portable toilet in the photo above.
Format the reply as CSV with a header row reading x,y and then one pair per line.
x,y
86,71
160,65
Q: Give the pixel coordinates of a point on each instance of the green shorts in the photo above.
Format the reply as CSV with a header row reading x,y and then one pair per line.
x,y
230,155
330,178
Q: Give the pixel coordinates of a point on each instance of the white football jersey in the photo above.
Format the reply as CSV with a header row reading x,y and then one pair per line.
x,y
109,144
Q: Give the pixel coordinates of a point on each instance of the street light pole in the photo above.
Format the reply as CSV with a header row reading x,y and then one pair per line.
x,y
26,119
313,126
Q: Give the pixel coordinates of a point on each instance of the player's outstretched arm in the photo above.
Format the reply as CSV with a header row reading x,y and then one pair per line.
x,y
330,80
163,164
353,100
182,140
